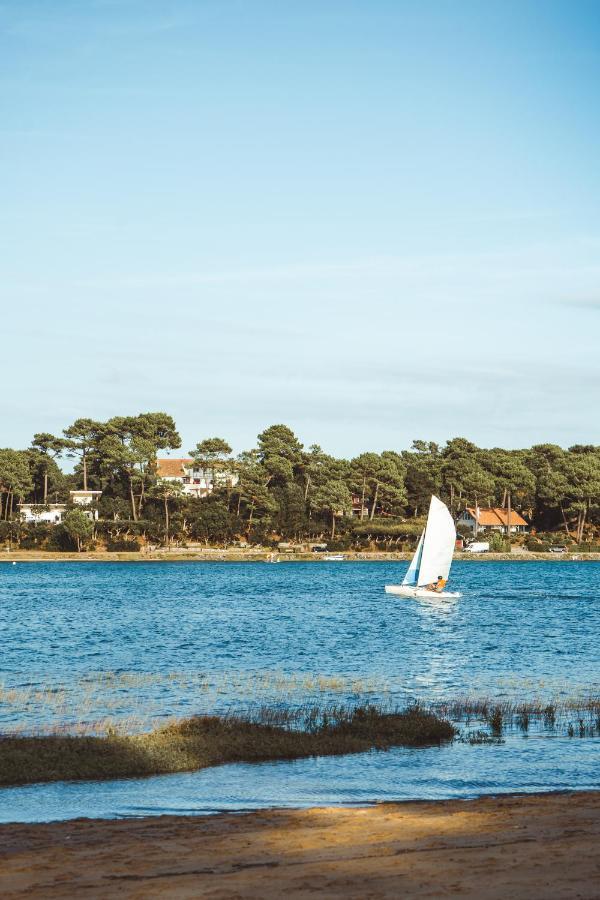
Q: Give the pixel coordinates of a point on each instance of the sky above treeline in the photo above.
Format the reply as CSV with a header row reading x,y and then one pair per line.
x,y
372,221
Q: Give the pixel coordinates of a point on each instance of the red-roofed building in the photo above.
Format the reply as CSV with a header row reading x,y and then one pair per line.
x,y
488,518
195,481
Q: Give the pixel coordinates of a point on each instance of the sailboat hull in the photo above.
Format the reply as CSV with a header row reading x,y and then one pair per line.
x,y
419,593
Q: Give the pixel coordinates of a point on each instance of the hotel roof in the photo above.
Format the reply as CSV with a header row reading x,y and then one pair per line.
x,y
171,468
493,515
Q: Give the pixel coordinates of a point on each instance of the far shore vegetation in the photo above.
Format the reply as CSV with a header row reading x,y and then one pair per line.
x,y
280,492
211,740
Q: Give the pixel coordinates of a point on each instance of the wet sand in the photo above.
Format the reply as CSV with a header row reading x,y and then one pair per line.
x,y
544,846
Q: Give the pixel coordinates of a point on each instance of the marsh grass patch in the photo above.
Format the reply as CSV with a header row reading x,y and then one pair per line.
x,y
202,741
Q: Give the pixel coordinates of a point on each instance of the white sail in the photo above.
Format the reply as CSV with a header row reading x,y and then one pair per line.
x,y
438,544
412,575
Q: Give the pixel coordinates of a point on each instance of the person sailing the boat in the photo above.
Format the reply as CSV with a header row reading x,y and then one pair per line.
x,y
437,586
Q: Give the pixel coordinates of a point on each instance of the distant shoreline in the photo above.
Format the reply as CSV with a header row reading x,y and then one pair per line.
x,y
236,555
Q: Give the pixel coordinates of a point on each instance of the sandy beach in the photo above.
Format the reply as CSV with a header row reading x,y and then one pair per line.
x,y
543,846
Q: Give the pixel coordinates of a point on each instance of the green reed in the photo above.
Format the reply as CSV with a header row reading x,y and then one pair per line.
x,y
136,702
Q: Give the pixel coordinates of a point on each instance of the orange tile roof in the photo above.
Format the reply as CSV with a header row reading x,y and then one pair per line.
x,y
171,468
496,516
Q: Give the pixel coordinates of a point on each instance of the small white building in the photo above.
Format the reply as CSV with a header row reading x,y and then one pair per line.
x,y
53,513
84,498
195,481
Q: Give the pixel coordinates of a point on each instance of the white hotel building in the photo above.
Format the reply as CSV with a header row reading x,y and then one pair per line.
x,y
195,481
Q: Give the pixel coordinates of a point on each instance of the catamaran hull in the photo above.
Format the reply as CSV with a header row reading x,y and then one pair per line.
x,y
417,593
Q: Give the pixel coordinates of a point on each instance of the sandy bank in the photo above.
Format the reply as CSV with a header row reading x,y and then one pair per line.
x,y
234,555
543,846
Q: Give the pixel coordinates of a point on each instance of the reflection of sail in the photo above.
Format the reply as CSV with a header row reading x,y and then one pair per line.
x,y
438,544
412,576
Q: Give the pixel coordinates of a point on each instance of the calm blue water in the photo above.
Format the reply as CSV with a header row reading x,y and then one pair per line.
x,y
87,642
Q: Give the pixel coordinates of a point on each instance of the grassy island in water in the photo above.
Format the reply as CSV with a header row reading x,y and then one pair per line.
x,y
204,741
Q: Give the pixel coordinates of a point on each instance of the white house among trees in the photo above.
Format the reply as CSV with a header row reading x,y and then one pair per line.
x,y
54,512
195,481
487,518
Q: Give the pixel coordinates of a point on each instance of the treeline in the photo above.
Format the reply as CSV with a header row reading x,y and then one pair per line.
x,y
280,490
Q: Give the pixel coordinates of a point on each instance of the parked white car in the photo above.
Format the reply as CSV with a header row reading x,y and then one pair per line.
x,y
478,547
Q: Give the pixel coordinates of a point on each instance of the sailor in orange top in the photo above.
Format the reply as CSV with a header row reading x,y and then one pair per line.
x,y
438,586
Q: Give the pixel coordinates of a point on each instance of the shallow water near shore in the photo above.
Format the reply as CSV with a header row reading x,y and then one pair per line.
x,y
82,644
458,771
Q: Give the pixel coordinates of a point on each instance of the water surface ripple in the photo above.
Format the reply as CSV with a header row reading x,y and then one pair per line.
x,y
86,641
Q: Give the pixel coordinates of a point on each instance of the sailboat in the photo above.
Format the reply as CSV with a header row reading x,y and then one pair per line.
x,y
433,557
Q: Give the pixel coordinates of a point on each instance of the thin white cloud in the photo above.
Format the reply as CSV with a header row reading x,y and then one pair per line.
x,y
537,263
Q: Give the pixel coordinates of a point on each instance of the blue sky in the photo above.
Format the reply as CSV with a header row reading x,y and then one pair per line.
x,y
373,221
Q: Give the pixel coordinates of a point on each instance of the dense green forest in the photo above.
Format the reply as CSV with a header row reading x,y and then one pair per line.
x,y
280,490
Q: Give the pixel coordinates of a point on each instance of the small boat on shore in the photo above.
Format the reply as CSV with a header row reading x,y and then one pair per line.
x,y
334,557
428,572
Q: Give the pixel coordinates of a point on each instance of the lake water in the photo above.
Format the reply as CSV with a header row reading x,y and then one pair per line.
x,y
91,642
